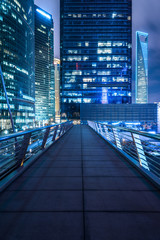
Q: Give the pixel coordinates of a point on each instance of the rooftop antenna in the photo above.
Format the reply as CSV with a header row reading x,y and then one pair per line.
x,y
9,108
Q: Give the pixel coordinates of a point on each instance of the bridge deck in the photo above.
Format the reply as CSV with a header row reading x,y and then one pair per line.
x,y
80,189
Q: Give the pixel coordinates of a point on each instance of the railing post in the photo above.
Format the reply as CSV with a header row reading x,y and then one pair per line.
x,y
61,129
117,138
140,150
107,133
64,129
96,127
23,149
45,137
55,133
100,129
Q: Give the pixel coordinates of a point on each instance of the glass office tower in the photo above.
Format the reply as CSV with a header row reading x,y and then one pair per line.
x,y
44,66
57,89
17,62
96,53
141,67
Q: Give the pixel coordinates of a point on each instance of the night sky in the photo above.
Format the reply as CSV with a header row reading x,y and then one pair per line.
x,y
146,17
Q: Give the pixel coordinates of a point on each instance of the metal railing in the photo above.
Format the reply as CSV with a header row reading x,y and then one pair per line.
x,y
17,148
143,148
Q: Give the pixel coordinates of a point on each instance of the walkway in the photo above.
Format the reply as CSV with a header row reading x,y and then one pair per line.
x,y
80,189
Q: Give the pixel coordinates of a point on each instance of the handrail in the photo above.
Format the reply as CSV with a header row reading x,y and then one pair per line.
x,y
142,133
137,146
17,148
14,135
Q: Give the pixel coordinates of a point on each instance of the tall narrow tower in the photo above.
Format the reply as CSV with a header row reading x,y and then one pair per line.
x,y
141,67
57,89
44,66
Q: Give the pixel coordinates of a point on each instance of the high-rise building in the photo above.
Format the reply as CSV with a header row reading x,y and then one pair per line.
x,y
96,53
57,89
141,67
17,62
44,66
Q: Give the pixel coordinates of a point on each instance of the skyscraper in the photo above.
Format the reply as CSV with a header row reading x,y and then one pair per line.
x,y
96,53
17,62
57,88
44,66
141,67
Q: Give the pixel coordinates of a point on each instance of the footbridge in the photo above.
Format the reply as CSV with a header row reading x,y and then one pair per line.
x,y
80,182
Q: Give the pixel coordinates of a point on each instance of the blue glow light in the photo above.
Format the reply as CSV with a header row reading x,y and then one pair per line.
x,y
116,123
133,123
43,13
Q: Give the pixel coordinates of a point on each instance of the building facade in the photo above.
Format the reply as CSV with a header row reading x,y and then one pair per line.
x,y
141,67
17,62
57,89
44,66
95,52
147,115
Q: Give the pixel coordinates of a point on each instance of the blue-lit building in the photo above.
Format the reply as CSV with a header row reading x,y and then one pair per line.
x,y
141,67
143,116
57,89
17,61
95,52
44,66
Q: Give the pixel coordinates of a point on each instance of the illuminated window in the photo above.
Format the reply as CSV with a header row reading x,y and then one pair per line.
x,y
85,58
14,16
87,79
86,44
87,100
104,50
104,72
19,20
104,44
94,64
74,58
108,58
73,51
114,15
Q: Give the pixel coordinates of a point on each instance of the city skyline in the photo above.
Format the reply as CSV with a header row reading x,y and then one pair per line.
x,y
79,140
143,20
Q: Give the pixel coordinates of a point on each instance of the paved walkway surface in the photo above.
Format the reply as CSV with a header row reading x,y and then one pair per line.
x,y
80,189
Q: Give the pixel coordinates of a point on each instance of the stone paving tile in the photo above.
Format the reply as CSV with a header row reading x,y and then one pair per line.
x,y
99,158
100,163
56,163
41,201
41,226
119,225
67,158
47,183
53,172
126,172
122,200
117,183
